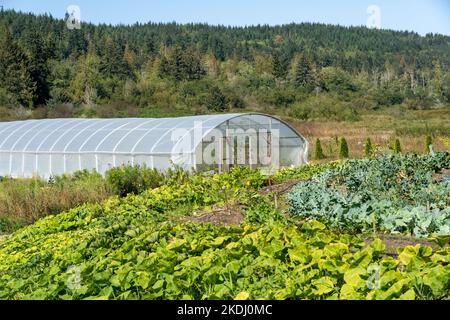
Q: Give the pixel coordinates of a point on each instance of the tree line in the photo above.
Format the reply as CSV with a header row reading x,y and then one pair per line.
x,y
304,70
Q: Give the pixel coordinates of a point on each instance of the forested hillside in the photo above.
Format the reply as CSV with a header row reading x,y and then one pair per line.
x,y
306,71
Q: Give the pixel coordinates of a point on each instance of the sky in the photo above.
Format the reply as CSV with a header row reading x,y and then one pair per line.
x,y
421,16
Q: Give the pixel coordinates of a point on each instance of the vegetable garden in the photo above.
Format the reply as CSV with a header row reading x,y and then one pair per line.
x,y
391,193
308,246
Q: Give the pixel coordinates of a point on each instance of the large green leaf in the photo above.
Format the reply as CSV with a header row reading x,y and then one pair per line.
x,y
348,292
352,277
438,279
323,285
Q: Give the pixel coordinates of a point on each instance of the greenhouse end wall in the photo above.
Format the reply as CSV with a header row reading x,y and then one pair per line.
x,y
56,146
254,140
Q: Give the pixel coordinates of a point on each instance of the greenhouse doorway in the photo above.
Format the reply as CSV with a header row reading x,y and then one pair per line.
x,y
250,150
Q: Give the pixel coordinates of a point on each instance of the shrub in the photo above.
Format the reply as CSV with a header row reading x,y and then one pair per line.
x,y
343,149
428,143
368,148
133,179
279,97
262,211
446,142
337,80
319,152
397,146
237,102
324,107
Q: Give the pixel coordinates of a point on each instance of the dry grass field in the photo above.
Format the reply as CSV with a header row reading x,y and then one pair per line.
x,y
382,127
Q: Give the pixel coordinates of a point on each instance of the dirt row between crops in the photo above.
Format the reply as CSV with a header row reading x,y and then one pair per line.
x,y
232,215
393,242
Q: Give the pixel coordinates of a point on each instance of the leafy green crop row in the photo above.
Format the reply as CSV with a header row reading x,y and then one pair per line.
x,y
391,193
303,172
120,251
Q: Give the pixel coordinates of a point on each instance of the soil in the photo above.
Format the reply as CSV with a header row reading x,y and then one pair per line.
x,y
230,215
437,177
392,242
279,189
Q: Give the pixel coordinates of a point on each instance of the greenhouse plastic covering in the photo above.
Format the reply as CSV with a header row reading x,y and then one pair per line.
x,y
56,146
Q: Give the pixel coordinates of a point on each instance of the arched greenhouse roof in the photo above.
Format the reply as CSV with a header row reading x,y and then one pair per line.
x,y
121,136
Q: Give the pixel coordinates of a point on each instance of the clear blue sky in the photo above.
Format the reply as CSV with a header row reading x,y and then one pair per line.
x,y
422,16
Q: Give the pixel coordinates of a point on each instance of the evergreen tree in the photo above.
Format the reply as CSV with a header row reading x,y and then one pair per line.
x,y
86,81
61,75
397,146
39,71
150,47
216,100
182,65
318,151
177,66
343,149
280,65
217,46
113,63
15,73
75,43
304,76
368,148
428,143
194,68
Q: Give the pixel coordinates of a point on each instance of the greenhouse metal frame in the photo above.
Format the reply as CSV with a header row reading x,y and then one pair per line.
x,y
57,146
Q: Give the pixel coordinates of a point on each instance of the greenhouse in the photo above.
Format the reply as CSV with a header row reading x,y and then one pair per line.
x,y
204,143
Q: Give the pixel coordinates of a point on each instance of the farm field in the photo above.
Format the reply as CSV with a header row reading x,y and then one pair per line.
x,y
352,100
312,232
